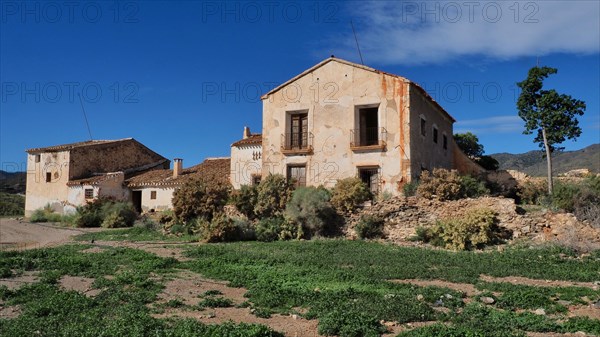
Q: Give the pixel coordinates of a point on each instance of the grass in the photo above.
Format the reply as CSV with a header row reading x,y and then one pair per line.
x,y
120,309
135,234
345,285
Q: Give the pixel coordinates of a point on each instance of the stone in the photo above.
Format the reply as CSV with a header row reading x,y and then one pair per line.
x,y
420,297
487,300
540,312
525,229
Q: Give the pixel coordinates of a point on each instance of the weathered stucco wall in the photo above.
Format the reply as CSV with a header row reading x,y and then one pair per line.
x,y
40,193
111,157
245,163
330,95
424,152
163,201
463,164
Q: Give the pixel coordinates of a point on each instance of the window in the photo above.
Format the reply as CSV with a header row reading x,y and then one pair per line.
x,y
423,126
89,193
299,131
48,177
370,176
256,179
445,141
368,127
435,135
153,195
37,158
297,174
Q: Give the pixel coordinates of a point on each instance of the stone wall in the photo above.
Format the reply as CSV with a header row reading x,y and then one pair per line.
x,y
403,215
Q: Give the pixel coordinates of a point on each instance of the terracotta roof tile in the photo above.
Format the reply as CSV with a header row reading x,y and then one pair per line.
x,y
255,139
217,169
95,180
70,146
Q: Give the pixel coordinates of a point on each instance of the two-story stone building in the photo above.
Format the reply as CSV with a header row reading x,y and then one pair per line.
x,y
340,119
66,176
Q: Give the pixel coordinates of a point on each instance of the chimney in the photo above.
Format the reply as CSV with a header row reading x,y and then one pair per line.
x,y
246,132
177,167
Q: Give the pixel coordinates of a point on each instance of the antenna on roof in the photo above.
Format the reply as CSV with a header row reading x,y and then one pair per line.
x,y
357,46
85,116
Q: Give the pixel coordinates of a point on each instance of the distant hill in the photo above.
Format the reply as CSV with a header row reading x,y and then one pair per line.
x,y
534,163
12,182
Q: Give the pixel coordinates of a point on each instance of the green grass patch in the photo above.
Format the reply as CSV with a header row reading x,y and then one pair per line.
x,y
345,284
120,309
135,234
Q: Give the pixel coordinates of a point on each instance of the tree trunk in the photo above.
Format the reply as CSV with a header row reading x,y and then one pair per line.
x,y
548,160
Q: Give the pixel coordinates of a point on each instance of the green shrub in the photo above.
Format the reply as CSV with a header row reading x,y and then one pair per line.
x,y
273,194
245,200
215,302
369,227
166,217
220,229
488,162
349,193
268,229
105,212
12,204
45,215
346,323
118,214
200,199
531,192
410,189
441,184
309,207
473,187
564,195
474,230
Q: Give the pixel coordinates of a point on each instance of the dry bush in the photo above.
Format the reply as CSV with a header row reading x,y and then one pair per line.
x,y
273,194
441,184
200,199
475,229
348,193
532,191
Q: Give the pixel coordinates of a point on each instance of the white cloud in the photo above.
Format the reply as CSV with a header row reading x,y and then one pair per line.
x,y
419,32
496,124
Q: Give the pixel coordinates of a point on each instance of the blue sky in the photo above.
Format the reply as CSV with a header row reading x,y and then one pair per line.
x,y
185,77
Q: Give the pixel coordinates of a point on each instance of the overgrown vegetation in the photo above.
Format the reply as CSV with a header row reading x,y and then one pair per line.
x,y
45,214
309,208
475,229
444,185
199,199
349,193
345,285
105,212
12,204
120,308
273,194
369,227
581,198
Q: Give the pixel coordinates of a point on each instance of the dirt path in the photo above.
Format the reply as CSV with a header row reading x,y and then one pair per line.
x,y
15,234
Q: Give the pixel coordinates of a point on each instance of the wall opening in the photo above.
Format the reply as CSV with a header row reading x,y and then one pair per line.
x,y
136,200
297,175
48,177
370,176
88,193
368,126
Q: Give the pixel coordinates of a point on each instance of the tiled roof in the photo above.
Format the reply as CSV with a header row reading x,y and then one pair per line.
x,y
255,139
216,169
95,180
70,146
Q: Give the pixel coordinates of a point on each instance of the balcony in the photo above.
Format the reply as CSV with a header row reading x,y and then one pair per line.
x,y
368,139
297,143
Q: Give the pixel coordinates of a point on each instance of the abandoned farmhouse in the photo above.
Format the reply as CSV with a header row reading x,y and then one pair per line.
x,y
335,120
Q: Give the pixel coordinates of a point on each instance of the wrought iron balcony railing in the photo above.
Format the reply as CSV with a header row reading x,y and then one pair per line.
x,y
368,138
297,143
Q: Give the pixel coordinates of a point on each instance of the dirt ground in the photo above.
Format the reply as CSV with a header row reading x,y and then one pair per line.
x,y
17,234
188,286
